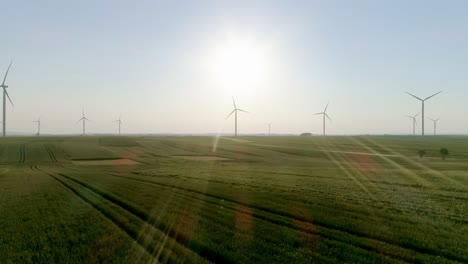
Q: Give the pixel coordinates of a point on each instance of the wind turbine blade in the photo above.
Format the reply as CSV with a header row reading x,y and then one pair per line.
x,y
6,74
79,120
234,103
243,111
230,114
326,108
416,115
327,116
8,96
415,96
432,95
321,113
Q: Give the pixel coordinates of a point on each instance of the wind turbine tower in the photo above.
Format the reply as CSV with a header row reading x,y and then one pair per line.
x,y
235,115
83,119
422,109
414,123
269,129
435,124
5,95
120,122
38,121
324,114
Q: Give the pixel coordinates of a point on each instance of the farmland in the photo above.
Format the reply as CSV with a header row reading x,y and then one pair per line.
x,y
367,199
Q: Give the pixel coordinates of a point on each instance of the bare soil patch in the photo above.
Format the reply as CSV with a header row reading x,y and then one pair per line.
x,y
203,158
106,162
237,140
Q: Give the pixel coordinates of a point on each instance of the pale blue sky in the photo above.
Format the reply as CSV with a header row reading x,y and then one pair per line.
x,y
147,61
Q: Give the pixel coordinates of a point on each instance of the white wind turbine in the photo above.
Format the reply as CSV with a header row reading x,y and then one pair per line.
x,y
119,121
414,123
38,121
324,114
83,119
269,129
435,124
235,112
5,95
422,110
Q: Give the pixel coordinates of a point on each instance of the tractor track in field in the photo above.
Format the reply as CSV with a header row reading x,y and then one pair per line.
x,y
282,223
167,230
320,192
410,247
22,157
52,156
133,235
50,152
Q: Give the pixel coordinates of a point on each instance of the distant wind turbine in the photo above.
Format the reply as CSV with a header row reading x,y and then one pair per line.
x,y
5,94
38,121
422,110
235,112
119,121
414,123
269,129
84,119
435,124
324,114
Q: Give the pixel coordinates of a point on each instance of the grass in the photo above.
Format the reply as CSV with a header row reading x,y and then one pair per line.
x,y
363,199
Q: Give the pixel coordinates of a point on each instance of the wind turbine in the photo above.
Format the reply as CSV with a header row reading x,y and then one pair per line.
x,y
414,123
119,121
5,94
84,119
269,129
38,121
435,124
235,112
422,111
324,113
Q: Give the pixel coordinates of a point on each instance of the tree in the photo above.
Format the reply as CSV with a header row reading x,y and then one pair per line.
x,y
421,153
306,134
444,153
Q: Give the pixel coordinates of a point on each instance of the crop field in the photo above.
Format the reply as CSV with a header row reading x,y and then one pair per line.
x,y
368,199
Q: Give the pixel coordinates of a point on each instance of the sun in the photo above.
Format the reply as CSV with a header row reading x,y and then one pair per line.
x,y
238,63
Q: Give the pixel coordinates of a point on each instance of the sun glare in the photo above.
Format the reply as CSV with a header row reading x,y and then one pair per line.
x,y
238,64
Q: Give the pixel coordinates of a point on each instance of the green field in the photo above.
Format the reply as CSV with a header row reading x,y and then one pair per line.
x,y
247,200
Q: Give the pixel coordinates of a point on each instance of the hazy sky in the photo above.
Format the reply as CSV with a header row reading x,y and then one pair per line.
x,y
172,66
